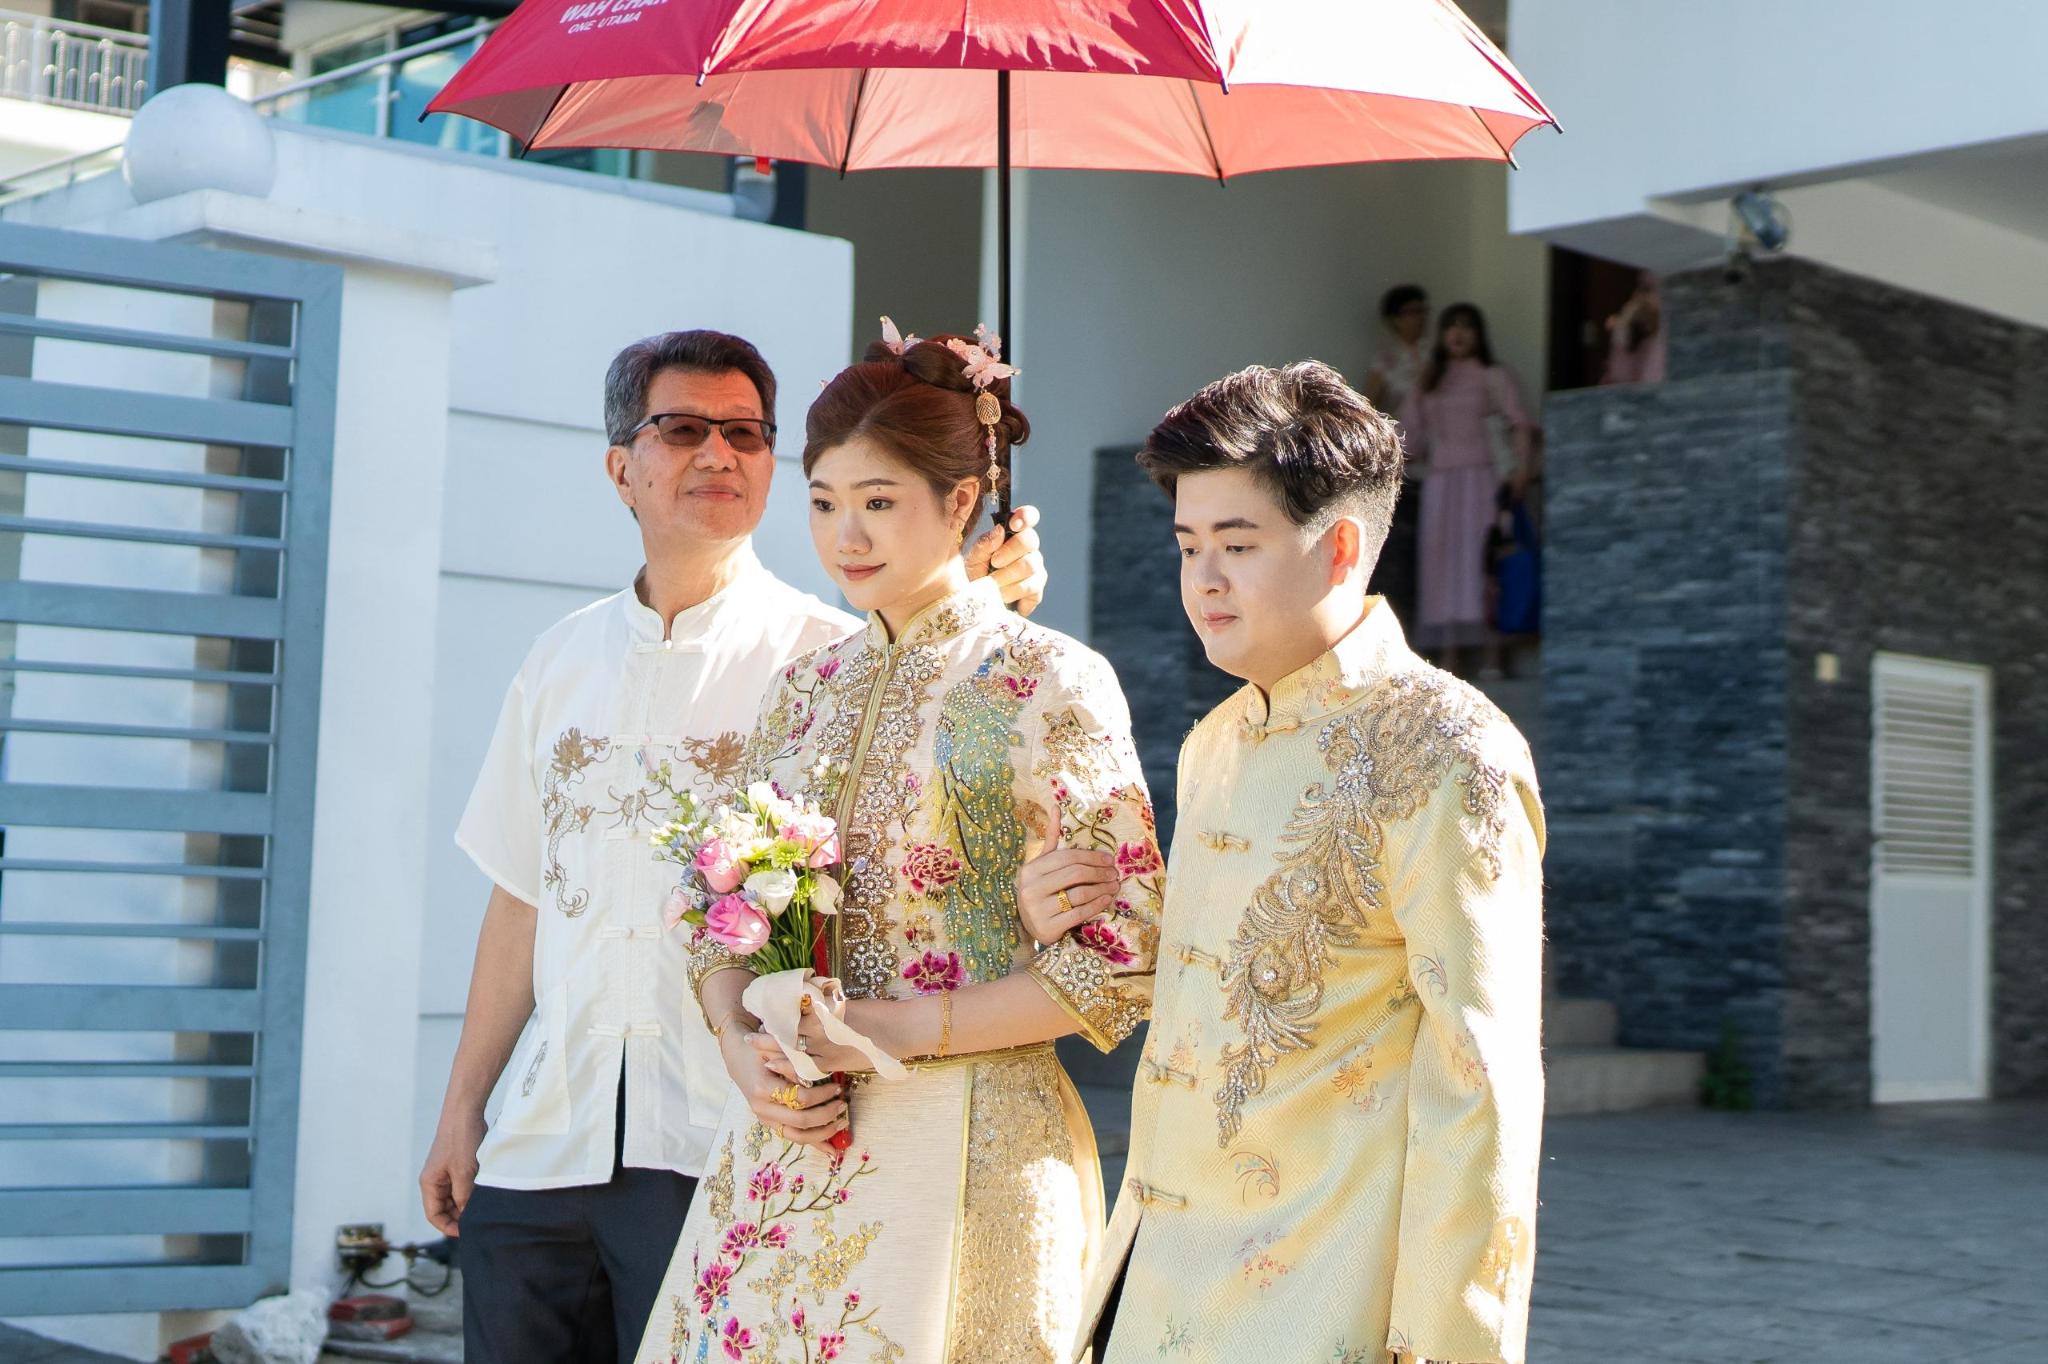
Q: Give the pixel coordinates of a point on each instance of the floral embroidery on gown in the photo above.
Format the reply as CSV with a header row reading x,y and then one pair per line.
x,y
963,1222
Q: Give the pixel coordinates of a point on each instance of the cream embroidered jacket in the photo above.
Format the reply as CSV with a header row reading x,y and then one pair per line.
x,y
560,816
1338,1112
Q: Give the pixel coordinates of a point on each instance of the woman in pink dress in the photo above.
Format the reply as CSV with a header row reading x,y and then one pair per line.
x,y
1446,425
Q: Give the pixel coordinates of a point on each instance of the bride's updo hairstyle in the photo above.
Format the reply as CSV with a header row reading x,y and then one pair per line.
x,y
920,406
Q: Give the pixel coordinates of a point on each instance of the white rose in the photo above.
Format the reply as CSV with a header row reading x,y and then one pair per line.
x,y
774,888
824,895
734,828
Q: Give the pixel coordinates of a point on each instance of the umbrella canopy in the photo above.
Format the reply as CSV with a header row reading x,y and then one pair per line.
x,y
1202,87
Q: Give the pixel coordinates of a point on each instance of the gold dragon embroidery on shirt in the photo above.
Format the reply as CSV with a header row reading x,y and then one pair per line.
x,y
1386,755
574,754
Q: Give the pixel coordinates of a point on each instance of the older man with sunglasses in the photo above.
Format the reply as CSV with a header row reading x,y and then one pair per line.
x,y
569,1205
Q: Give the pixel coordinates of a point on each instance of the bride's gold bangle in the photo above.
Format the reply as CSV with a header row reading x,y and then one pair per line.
x,y
945,1021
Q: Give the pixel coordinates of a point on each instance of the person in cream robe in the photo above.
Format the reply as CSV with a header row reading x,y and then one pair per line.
x,y
1338,1110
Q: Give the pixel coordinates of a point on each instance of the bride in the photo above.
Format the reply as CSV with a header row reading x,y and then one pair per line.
x,y
954,741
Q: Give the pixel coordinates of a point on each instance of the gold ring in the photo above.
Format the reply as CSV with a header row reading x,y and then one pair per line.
x,y
787,1096
1066,905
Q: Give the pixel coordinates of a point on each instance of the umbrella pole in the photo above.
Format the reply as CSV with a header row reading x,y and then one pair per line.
x,y
1003,265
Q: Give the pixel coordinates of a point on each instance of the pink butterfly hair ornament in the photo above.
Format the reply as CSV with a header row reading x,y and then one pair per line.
x,y
895,340
984,370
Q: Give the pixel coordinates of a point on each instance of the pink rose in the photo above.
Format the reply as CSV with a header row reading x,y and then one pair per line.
x,y
736,924
716,863
819,833
1136,859
682,902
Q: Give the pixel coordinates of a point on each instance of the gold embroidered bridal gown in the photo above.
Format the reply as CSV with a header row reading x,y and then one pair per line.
x,y
962,1222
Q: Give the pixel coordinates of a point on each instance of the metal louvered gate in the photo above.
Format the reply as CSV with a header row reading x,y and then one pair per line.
x,y
166,420
1930,883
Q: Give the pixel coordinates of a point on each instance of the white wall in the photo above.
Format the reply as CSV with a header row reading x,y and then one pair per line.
x,y
471,510
1669,99
1135,290
34,135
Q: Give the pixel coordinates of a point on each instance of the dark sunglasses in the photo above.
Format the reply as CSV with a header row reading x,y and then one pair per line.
x,y
688,431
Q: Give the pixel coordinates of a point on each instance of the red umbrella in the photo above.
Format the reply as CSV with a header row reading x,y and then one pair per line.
x,y
1201,87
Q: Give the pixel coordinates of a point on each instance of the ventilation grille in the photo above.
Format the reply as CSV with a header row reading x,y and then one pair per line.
x,y
1926,774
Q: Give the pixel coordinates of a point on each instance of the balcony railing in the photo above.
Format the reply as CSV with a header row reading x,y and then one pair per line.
x,y
54,61
382,95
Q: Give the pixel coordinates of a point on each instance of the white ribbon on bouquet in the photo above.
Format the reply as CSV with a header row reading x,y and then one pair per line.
x,y
778,1001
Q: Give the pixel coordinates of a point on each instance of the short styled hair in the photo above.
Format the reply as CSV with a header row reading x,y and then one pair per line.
x,y
1399,297
1308,436
701,351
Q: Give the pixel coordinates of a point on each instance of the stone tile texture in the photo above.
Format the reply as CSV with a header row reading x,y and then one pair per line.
x,y
1833,466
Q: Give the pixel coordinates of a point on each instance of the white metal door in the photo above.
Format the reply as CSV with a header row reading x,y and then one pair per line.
x,y
1930,884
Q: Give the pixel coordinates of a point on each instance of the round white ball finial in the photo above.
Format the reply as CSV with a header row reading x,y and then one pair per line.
x,y
198,137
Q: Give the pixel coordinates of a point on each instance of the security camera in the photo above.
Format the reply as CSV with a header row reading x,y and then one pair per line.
x,y
1764,220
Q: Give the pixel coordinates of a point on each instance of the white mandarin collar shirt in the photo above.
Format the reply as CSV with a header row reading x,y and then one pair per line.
x,y
559,817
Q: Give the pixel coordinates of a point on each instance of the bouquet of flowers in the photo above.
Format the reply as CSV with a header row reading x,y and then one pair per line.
x,y
754,882
754,877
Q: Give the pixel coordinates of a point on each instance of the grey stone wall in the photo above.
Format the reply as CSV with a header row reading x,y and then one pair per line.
x,y
1663,736
1137,622
1834,465
1921,527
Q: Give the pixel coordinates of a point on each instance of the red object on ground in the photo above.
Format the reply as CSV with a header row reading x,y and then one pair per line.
x,y
369,1307
191,1350
1204,87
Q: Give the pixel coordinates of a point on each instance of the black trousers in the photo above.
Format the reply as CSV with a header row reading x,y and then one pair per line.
x,y
568,1276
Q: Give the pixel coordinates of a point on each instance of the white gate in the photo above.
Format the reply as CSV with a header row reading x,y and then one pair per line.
x,y
1930,883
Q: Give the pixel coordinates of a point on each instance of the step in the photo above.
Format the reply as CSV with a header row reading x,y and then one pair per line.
x,y
1580,1023
1582,1080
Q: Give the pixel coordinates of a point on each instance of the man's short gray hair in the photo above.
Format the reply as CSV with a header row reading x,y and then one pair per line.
x,y
701,351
